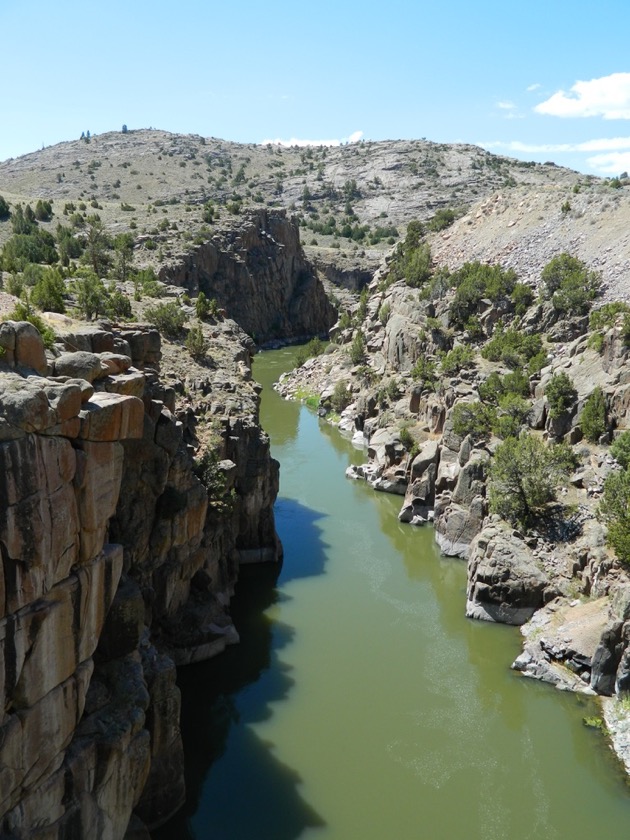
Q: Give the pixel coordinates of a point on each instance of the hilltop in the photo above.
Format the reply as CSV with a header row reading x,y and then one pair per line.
x,y
352,201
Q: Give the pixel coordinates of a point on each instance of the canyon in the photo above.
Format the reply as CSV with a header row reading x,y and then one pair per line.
x,y
136,479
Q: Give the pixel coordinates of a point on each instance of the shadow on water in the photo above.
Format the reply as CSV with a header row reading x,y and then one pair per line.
x,y
236,787
304,549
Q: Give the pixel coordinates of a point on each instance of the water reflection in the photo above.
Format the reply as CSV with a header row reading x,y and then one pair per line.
x,y
236,787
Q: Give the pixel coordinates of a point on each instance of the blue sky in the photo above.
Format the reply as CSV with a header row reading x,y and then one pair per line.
x,y
538,80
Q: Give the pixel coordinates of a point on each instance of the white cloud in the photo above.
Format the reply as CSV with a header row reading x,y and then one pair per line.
x,y
354,138
533,87
506,105
607,97
612,163
599,145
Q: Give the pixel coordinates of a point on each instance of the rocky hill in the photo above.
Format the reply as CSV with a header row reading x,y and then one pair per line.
x,y
354,199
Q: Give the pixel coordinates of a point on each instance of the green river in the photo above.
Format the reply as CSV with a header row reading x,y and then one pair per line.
x,y
361,704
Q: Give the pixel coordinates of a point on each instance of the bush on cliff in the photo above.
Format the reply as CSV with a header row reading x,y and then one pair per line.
x,y
512,347
525,474
560,394
593,417
474,282
357,349
412,260
473,418
5,210
614,509
457,359
571,286
169,318
620,449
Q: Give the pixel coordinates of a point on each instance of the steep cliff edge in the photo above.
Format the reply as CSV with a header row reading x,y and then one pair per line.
x,y
113,552
257,272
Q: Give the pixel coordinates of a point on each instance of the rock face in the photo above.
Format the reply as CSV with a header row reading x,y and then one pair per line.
x,y
115,562
504,582
258,273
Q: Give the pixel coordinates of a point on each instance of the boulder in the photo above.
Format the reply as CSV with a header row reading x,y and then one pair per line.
x,y
80,365
505,583
456,526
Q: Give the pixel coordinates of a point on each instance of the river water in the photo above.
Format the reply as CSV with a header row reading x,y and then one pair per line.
x,y
360,702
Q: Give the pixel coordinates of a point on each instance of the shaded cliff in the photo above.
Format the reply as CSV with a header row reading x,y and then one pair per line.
x,y
257,272
118,556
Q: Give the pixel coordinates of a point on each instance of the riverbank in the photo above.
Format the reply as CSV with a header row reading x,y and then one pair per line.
x,y
361,700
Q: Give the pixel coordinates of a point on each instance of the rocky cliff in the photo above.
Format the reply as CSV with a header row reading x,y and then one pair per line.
x,y
257,272
117,561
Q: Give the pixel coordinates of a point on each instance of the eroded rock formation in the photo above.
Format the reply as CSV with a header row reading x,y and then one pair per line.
x,y
257,272
114,554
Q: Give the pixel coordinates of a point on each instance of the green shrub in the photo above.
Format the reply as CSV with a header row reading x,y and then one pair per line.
x,y
593,417
475,281
606,315
23,311
202,306
614,509
424,371
496,386
412,259
406,438
537,363
118,305
196,343
473,418
560,394
146,282
362,308
384,312
207,470
91,296
67,243
24,248
315,347
169,318
596,342
43,211
345,320
442,219
49,290
341,397
620,449
357,349
522,297
458,358
524,477
473,328
5,211
512,347
513,412
571,286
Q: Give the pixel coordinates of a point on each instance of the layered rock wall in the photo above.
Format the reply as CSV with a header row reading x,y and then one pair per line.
x,y
116,561
258,273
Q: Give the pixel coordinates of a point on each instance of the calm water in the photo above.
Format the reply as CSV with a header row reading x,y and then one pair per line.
x,y
360,702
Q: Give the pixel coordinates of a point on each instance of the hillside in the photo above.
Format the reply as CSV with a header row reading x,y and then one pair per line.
x,y
155,184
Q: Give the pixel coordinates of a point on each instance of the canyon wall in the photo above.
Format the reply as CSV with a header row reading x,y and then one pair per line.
x,y
113,554
257,272
134,481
